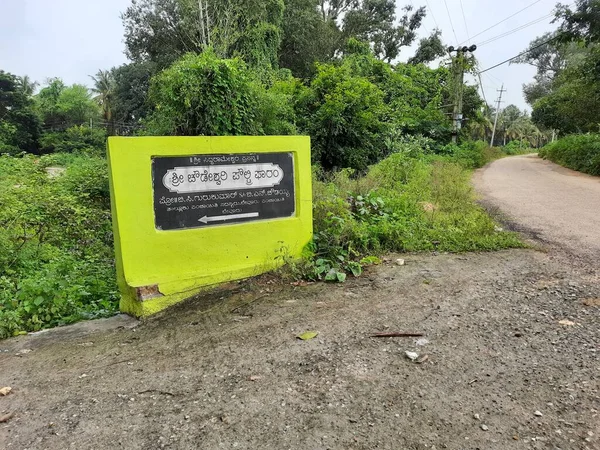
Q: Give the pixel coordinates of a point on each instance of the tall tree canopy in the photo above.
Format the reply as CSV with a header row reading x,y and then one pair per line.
x,y
132,82
566,89
293,34
161,31
580,21
19,124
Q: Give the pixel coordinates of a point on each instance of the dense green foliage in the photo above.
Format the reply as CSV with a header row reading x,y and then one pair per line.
x,y
566,89
205,95
75,139
131,85
355,111
162,31
62,106
56,255
577,152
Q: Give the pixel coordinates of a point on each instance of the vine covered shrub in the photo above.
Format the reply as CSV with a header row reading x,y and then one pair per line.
x,y
578,152
203,95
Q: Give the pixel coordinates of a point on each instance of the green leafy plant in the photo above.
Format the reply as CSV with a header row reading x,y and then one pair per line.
x,y
56,255
578,152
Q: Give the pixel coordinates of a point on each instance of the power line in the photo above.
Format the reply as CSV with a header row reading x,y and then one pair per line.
x,y
503,20
465,21
450,17
483,91
521,54
522,27
432,15
490,76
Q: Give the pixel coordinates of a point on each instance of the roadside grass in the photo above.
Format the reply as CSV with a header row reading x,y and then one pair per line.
x,y
402,204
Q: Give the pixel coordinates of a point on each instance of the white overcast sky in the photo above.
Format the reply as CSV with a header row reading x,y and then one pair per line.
x,y
72,39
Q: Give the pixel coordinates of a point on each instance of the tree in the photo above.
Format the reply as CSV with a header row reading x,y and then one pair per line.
x,y
19,124
508,116
429,49
47,100
523,129
580,23
566,88
131,85
374,21
161,31
307,38
27,86
104,87
63,106
345,116
550,57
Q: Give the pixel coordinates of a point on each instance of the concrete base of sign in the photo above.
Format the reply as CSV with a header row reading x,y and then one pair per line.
x,y
148,300
193,212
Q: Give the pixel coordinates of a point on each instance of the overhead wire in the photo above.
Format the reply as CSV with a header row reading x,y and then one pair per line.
x,y
522,27
483,91
521,54
432,15
450,17
465,21
503,20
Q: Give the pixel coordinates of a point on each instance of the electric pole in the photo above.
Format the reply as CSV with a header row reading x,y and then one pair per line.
x,y
497,113
458,71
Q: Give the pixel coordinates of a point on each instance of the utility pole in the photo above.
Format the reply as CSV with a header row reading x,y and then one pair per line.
x,y
497,113
458,71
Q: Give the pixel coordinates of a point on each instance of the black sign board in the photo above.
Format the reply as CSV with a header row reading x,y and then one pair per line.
x,y
207,190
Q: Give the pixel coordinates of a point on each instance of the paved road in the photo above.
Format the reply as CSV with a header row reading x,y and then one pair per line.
x,y
559,205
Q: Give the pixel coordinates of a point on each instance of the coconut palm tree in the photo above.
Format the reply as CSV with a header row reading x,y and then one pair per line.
x,y
523,129
27,86
481,127
104,87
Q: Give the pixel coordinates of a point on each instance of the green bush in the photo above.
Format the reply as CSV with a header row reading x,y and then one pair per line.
x,y
345,115
517,147
471,154
205,95
77,139
56,247
578,152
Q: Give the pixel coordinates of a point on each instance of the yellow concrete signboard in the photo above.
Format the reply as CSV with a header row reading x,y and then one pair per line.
x,y
190,212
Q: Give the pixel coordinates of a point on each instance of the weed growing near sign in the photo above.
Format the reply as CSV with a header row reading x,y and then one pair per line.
x,y
407,203
56,255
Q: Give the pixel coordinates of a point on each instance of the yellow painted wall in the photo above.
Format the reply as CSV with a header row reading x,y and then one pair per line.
x,y
181,262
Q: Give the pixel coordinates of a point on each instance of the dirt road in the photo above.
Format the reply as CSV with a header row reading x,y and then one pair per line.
x,y
558,205
512,343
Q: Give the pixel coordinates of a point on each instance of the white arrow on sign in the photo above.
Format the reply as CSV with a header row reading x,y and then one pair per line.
x,y
207,219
